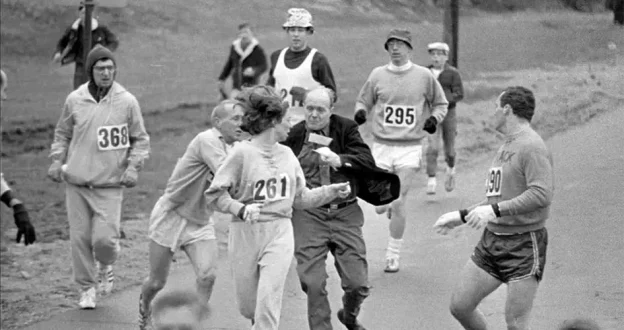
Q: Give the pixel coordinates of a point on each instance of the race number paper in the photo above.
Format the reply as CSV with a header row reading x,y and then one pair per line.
x,y
494,182
400,115
272,189
113,137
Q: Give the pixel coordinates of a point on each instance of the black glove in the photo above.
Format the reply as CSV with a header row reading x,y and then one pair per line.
x,y
24,227
360,117
430,125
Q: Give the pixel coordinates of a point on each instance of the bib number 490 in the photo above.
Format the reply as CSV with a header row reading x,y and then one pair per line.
x,y
113,137
399,116
272,189
494,182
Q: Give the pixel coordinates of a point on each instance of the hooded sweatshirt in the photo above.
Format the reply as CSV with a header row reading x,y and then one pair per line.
x,y
98,140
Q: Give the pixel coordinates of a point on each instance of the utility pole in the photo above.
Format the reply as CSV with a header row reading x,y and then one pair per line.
x,y
88,4
451,30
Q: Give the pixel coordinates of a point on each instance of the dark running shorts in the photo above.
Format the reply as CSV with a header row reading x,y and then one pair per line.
x,y
512,257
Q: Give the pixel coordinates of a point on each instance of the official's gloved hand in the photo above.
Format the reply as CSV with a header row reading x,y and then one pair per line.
x,y
360,117
55,171
24,226
130,177
430,125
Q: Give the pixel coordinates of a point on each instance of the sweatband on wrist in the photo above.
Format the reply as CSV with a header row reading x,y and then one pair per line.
x,y
496,210
462,215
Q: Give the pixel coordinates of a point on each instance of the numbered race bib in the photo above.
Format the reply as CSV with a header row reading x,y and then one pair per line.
x,y
113,137
400,116
272,189
494,182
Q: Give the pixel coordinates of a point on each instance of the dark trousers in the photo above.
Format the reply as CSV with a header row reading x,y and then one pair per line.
x,y
317,232
79,75
446,133
618,12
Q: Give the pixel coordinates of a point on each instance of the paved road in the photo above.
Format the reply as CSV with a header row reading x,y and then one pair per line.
x,y
583,275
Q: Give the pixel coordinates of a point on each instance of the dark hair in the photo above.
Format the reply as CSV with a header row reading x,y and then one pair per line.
x,y
263,108
178,299
309,29
244,25
521,101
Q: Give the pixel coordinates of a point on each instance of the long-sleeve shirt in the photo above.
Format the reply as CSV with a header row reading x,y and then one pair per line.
x,y
400,101
270,175
193,174
99,140
521,181
321,70
451,83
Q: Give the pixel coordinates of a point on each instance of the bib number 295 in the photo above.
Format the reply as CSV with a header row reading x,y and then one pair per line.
x,y
272,189
113,137
399,116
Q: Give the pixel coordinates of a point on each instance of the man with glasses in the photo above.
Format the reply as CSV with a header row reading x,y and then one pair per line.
x,y
99,146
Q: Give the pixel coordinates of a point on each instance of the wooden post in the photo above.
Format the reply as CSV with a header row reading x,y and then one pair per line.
x,y
451,30
88,4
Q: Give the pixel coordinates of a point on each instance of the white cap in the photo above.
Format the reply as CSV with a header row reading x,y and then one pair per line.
x,y
298,17
438,46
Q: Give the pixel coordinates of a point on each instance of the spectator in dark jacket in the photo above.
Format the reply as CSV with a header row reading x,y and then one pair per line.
x,y
246,62
451,83
617,6
70,47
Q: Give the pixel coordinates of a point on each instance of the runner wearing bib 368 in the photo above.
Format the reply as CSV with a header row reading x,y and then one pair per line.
x,y
99,146
299,68
405,101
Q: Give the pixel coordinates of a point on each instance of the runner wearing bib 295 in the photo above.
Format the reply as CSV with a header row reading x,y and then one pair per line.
x,y
299,68
99,146
405,102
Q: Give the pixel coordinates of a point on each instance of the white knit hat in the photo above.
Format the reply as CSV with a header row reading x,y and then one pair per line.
x,y
438,46
298,17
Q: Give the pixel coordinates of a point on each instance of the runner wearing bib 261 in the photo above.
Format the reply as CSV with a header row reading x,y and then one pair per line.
x,y
405,102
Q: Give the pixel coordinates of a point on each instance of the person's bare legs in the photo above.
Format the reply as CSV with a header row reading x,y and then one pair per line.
x,y
520,297
204,255
473,285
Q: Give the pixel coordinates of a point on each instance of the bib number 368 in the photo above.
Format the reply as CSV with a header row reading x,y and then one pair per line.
x,y
113,137
494,182
401,116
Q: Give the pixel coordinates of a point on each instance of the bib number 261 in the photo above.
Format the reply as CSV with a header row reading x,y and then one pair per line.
x,y
113,137
399,116
272,189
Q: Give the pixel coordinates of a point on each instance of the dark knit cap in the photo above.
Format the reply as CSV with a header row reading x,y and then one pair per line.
x,y
98,52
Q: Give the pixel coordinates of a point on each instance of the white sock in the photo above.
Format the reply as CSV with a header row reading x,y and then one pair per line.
x,y
394,247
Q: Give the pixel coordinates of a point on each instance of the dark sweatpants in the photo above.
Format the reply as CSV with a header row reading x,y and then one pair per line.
x,y
317,232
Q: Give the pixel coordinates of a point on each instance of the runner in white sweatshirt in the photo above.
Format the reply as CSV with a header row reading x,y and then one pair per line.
x,y
259,183
405,102
99,146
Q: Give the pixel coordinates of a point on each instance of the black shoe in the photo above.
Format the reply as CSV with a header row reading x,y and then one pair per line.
x,y
353,326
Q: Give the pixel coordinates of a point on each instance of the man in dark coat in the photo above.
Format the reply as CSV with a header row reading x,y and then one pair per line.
x,y
70,47
331,150
246,62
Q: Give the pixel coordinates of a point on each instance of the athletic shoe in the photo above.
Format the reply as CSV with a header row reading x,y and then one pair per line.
x,y
144,315
431,186
392,264
87,299
106,278
449,181
355,326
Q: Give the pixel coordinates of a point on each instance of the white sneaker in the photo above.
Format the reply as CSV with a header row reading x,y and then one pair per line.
x,y
106,278
449,181
431,186
87,299
392,264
